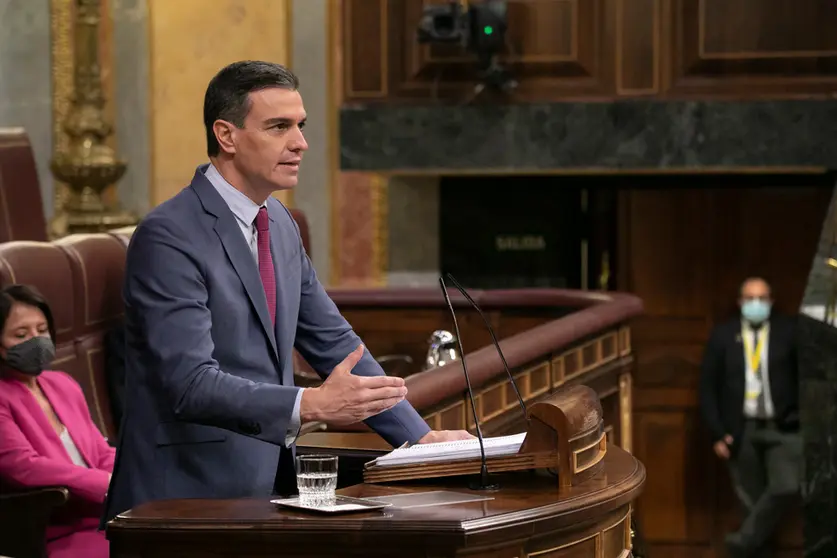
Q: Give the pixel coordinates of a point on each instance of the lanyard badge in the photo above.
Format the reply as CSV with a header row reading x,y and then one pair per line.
x,y
753,355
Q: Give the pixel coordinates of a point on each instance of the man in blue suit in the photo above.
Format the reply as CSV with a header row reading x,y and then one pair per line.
x,y
218,291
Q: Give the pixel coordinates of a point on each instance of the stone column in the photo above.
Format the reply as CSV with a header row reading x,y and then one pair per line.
x,y
818,394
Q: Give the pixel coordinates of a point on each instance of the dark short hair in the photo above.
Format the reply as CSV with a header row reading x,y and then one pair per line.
x,y
755,278
227,96
24,294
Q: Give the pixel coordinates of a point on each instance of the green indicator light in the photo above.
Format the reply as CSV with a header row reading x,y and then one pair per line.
x,y
488,30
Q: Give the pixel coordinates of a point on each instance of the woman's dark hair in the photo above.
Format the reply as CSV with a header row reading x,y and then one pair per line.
x,y
24,294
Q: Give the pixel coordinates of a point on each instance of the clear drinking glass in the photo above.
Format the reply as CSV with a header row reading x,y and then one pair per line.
x,y
316,479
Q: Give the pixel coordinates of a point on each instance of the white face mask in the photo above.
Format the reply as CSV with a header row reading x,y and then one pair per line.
x,y
755,311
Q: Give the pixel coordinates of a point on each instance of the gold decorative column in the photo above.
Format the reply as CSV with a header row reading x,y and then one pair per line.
x,y
87,164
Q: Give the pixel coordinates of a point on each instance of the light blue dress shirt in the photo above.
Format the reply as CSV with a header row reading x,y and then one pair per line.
x,y
245,211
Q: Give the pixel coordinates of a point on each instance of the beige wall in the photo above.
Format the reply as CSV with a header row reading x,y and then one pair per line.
x,y
25,80
189,42
311,63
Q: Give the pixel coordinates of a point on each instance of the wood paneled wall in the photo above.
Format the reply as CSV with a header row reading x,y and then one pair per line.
x,y
685,252
588,49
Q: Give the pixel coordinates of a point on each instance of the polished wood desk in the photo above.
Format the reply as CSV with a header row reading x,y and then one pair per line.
x,y
528,516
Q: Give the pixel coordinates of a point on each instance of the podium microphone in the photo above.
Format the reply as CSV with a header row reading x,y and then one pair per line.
x,y
484,482
476,306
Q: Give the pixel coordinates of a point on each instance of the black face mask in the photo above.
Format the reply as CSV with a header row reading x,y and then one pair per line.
x,y
32,356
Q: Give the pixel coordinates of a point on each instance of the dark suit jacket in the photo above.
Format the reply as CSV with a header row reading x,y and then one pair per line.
x,y
115,371
722,383
209,380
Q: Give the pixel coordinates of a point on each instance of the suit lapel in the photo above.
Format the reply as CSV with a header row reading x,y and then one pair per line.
x,y
66,418
33,407
282,294
740,349
773,340
237,251
242,260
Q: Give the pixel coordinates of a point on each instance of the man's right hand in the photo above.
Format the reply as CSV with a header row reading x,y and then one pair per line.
x,y
344,398
722,447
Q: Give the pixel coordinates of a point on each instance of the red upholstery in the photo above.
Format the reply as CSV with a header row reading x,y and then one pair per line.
x,y
21,207
302,222
97,262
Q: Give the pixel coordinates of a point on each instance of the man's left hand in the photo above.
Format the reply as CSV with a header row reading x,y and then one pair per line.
x,y
445,436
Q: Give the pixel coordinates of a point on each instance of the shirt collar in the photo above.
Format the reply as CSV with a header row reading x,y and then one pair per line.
x,y
244,209
745,325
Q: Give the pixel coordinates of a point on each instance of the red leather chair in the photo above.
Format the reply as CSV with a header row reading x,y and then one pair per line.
x,y
21,206
302,223
97,263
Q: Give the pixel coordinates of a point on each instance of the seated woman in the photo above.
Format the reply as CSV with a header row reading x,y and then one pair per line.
x,y
48,437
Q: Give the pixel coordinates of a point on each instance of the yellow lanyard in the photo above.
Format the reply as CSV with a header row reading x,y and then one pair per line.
x,y
754,356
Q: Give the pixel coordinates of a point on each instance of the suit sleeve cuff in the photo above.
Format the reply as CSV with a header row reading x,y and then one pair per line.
x,y
296,421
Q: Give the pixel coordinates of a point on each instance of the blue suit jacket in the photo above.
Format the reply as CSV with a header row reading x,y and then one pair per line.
x,y
209,380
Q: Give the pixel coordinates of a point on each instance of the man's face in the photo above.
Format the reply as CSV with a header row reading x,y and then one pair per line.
x,y
268,149
755,289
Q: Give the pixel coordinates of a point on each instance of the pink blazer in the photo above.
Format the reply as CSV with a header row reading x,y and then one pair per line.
x,y
32,455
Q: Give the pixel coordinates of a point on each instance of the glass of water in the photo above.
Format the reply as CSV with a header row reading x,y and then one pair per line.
x,y
316,479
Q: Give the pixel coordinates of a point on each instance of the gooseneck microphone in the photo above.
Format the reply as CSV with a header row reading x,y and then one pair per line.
x,y
484,482
476,306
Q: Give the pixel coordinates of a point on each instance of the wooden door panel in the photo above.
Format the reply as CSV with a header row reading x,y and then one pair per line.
x,y
669,256
752,28
667,365
770,231
667,267
577,49
669,444
753,47
685,250
554,48
546,29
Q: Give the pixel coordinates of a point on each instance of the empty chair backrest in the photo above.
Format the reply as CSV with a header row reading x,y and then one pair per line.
x,y
302,222
98,266
21,205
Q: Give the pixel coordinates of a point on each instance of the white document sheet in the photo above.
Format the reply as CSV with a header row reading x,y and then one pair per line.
x,y
451,451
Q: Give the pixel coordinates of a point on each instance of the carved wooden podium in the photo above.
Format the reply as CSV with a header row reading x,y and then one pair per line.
x,y
584,513
565,434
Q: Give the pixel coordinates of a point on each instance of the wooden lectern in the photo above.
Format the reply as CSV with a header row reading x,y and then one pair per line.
x,y
584,513
565,434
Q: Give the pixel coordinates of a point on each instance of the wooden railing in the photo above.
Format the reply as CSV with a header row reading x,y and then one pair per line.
x,y
551,338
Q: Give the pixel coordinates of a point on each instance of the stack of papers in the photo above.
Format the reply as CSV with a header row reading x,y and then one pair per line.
x,y
451,451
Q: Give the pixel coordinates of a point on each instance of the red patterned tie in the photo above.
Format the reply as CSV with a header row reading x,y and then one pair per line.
x,y
266,271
